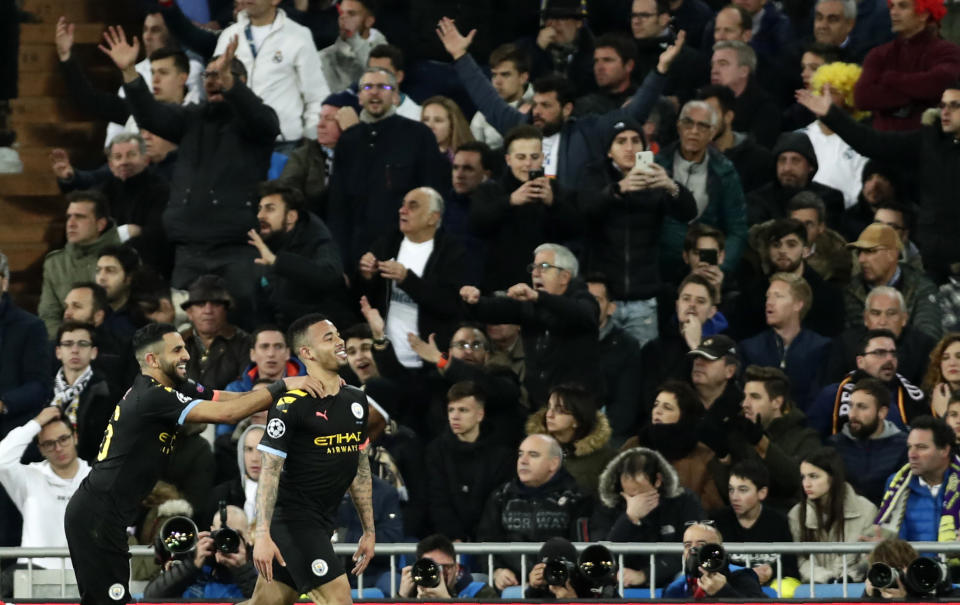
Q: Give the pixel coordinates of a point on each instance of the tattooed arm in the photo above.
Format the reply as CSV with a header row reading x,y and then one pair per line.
x,y
264,550
361,492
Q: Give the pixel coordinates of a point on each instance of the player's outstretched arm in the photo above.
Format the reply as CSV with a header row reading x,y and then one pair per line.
x,y
361,492
231,408
264,549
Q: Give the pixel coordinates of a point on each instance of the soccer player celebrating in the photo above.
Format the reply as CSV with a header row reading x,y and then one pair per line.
x,y
320,443
135,448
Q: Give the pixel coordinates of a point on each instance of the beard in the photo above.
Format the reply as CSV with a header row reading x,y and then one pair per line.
x,y
170,369
551,128
866,430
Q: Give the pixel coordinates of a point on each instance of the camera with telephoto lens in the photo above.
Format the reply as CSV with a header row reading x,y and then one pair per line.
x,y
557,570
711,557
883,576
426,573
927,577
596,564
225,540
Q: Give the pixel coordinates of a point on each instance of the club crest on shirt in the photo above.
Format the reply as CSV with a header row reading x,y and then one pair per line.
x,y
357,409
319,567
116,591
278,57
276,428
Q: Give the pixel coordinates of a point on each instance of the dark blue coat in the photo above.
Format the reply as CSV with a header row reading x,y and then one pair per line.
x,y
869,462
25,385
802,361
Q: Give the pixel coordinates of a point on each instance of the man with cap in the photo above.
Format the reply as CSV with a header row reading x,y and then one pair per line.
x,y
905,76
218,350
564,45
931,154
713,375
878,251
878,185
623,202
796,164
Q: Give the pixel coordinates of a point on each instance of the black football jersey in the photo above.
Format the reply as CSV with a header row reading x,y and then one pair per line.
x,y
138,441
320,441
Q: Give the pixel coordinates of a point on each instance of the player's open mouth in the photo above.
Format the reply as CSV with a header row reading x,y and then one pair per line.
x,y
341,353
182,367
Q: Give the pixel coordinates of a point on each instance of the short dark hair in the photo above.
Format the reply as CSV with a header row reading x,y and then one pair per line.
x,y
688,402
298,329
148,336
557,84
359,330
100,301
388,51
581,403
476,327
266,328
486,154
464,389
876,389
237,68
782,227
698,230
828,52
598,278
436,542
775,383
696,278
292,198
906,210
746,19
943,435
638,462
147,289
625,48
180,60
70,326
753,471
127,256
663,6
808,200
101,206
871,334
512,53
723,94
523,131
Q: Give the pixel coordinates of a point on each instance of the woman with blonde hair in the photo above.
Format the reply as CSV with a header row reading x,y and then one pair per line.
x,y
942,379
443,116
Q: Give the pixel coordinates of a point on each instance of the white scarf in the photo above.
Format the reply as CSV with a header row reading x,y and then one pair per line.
x,y
67,396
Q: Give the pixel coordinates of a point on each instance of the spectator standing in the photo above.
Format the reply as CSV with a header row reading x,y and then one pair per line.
x,y
734,65
654,29
510,75
828,256
752,160
343,61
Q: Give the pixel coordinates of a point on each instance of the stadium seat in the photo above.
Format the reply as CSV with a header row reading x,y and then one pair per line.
x,y
770,592
512,592
368,593
854,591
641,593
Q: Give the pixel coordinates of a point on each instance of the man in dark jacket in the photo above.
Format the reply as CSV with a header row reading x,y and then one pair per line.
x,y
650,24
541,502
378,161
577,142
872,447
625,203
559,320
299,269
225,147
614,56
219,350
796,163
514,214
753,161
699,584
564,45
734,64
933,155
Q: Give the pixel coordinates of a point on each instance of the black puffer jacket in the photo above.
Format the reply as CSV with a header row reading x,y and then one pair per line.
x,y
624,230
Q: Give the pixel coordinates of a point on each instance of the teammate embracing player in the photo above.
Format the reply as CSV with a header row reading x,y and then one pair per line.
x,y
319,444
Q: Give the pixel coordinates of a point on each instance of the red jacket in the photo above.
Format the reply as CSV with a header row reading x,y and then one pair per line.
x,y
904,77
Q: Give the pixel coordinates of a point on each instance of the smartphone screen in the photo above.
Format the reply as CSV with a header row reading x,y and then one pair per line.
x,y
708,256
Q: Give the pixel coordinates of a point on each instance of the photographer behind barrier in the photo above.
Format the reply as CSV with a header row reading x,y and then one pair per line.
x,y
561,574
706,571
897,572
217,567
437,575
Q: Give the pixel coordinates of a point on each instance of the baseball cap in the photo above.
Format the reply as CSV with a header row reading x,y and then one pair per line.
x,y
715,347
877,235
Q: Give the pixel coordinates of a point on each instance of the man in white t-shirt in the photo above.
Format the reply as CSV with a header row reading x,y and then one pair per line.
x,y
283,67
415,285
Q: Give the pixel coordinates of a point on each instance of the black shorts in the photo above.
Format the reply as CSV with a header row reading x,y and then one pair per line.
x,y
98,550
308,553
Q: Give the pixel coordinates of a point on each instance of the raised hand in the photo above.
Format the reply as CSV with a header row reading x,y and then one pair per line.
x,y
455,42
63,37
819,105
367,265
671,52
60,164
470,294
427,350
373,317
122,53
267,257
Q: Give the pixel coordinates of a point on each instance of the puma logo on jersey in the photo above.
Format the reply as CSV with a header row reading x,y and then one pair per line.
x,y
323,415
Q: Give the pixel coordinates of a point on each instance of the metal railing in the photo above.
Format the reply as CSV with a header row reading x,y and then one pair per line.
x,y
524,549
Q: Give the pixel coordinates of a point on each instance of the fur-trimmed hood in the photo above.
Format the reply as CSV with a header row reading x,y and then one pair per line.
x,y
609,488
595,441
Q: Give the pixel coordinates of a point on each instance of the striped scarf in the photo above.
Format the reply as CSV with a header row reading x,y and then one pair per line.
x,y
894,503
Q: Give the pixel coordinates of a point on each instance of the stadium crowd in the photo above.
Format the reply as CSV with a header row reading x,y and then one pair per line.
x,y
603,270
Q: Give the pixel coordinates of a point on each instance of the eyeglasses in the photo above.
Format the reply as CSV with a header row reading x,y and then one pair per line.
x,y
952,106
882,352
642,15
541,267
62,441
476,345
687,124
69,344
709,522
369,87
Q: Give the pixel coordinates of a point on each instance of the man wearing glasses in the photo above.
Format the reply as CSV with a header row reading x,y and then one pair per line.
x,y
41,490
456,580
728,582
81,394
878,251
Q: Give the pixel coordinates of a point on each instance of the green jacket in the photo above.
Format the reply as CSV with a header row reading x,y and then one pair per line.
x,y
726,210
64,267
918,291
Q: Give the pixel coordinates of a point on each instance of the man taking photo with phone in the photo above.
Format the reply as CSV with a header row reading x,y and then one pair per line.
x,y
624,200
